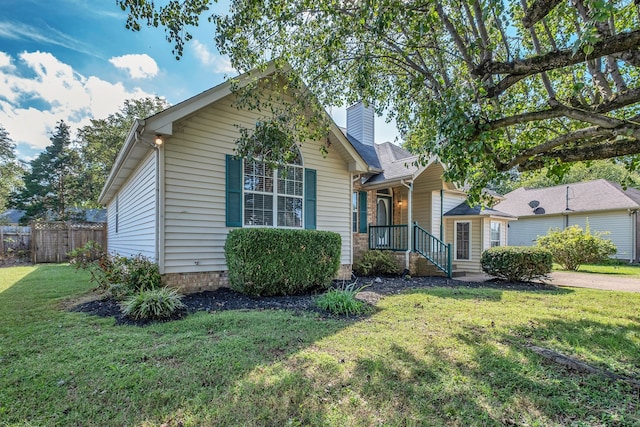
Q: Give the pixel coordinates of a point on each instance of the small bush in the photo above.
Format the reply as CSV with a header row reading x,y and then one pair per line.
x,y
342,301
574,246
516,263
153,304
375,263
119,275
271,261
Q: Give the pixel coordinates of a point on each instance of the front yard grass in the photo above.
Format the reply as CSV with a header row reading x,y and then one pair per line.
x,y
617,269
437,356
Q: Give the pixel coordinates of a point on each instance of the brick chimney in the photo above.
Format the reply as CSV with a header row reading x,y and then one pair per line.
x,y
360,124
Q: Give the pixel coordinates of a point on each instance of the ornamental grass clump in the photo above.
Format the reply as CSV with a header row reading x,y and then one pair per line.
x,y
153,304
343,301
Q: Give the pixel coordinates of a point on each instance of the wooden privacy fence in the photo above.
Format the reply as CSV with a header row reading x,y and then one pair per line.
x,y
14,240
51,241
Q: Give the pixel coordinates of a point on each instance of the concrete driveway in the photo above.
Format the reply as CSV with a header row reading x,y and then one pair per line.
x,y
605,282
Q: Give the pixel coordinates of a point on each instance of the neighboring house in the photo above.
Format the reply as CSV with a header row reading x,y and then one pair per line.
x,y
602,204
408,208
176,202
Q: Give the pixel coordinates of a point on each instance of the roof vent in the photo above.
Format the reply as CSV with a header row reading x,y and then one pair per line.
x,y
538,211
534,204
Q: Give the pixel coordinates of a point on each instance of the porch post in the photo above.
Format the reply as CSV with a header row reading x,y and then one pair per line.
x,y
407,254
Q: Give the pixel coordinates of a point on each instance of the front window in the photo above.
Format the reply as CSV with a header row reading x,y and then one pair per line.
x,y
495,233
273,197
463,240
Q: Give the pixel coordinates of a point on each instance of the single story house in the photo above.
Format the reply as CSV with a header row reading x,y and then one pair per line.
x,y
605,206
176,190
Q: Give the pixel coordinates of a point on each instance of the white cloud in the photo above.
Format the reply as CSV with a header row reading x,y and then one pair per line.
x,y
138,66
38,90
5,60
220,64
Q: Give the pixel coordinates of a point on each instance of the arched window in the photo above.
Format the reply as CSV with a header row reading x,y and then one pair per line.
x,y
273,197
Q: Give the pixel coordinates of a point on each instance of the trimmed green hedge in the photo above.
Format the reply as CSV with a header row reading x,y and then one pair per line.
x,y
272,261
516,263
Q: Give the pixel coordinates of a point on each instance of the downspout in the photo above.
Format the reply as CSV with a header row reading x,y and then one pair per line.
x,y
633,214
156,148
442,214
407,254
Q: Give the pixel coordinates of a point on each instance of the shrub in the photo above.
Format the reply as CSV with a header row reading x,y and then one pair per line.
x,y
271,261
153,304
343,301
574,246
516,263
119,275
375,263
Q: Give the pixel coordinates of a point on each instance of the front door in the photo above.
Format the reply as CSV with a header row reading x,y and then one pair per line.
x,y
383,218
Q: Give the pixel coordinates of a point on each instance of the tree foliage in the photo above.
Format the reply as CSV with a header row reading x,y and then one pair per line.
x,y
10,169
574,246
51,184
486,86
100,142
579,172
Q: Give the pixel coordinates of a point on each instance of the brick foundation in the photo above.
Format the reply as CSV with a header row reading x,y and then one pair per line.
x,y
197,282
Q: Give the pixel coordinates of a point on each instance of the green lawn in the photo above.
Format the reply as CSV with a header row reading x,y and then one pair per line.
x,y
455,357
623,269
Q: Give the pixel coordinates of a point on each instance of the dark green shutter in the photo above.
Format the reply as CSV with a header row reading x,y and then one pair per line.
x,y
310,199
234,191
363,211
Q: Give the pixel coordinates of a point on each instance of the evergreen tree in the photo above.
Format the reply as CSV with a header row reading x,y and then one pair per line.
x,y
51,185
10,168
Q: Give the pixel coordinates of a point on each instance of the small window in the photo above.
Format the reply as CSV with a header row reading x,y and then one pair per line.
x,y
463,240
495,233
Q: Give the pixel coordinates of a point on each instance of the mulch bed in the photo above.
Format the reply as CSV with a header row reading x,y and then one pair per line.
x,y
227,299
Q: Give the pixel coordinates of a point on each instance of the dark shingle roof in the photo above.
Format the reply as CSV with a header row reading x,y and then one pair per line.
x,y
463,209
588,196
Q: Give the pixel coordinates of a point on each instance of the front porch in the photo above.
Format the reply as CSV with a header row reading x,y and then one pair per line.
x,y
415,242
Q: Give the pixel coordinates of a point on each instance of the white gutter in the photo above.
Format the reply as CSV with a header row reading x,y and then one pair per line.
x,y
407,254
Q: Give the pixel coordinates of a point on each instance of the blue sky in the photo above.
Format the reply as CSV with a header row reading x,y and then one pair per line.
x,y
74,60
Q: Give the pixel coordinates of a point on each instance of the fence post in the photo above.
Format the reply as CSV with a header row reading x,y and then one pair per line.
x,y
1,241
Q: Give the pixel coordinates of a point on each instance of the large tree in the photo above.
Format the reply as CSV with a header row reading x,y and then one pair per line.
x,y
485,85
10,169
101,140
51,185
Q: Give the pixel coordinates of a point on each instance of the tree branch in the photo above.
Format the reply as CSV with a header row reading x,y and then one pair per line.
x,y
616,44
538,10
604,150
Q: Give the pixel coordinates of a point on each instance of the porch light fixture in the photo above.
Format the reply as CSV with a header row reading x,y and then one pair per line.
x,y
158,140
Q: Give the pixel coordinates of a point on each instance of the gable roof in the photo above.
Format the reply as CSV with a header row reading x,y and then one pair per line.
x,y
463,209
598,195
139,142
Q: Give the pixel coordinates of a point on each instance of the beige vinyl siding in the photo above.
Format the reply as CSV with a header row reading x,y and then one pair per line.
x,y
618,225
525,231
194,171
472,265
136,214
449,201
429,181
